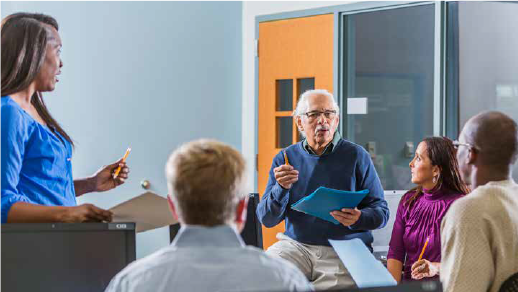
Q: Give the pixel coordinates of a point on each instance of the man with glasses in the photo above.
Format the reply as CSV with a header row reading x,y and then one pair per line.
x,y
323,158
479,234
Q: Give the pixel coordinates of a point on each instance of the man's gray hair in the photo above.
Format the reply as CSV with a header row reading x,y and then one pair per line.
x,y
206,181
303,105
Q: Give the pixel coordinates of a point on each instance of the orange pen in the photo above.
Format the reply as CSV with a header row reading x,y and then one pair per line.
x,y
286,162
116,173
424,247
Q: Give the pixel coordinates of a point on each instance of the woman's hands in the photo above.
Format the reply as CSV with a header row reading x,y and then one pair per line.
x,y
22,212
425,269
84,213
103,179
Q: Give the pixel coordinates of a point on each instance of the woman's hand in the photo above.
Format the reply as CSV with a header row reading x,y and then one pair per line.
x,y
103,179
425,269
84,213
22,212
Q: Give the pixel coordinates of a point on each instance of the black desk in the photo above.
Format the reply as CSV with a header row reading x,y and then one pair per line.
x,y
415,286
64,257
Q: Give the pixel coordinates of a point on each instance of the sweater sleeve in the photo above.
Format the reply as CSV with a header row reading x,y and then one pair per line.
x,y
375,212
14,135
467,263
272,207
396,246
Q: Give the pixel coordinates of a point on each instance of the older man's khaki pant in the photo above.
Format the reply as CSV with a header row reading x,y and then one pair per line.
x,y
320,264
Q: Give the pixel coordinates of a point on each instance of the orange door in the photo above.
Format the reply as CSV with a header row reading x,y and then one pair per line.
x,y
294,55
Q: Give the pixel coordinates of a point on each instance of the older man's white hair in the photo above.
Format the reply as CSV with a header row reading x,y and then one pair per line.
x,y
303,104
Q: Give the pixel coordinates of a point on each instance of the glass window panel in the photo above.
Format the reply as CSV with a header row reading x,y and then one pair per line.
x,y
487,59
284,88
305,84
389,59
284,131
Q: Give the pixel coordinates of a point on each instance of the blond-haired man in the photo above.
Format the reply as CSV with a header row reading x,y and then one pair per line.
x,y
205,181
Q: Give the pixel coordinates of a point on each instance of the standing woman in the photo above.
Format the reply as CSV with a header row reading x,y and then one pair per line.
x,y
37,183
435,171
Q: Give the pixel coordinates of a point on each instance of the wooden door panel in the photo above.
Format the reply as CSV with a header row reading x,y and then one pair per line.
x,y
288,49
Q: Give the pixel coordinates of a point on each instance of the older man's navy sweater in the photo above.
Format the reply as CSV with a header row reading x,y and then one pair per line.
x,y
348,167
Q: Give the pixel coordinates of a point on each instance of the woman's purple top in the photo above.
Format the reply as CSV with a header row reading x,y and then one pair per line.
x,y
413,226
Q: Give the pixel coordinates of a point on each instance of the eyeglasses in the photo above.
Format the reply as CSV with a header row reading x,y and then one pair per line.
x,y
456,145
313,115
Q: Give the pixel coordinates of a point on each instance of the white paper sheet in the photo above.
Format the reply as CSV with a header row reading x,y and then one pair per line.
x,y
357,106
361,264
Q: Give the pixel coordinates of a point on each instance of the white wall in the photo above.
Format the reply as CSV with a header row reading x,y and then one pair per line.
x,y
487,60
250,11
150,75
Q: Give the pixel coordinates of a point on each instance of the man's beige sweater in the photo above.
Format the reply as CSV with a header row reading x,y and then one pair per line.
x,y
479,237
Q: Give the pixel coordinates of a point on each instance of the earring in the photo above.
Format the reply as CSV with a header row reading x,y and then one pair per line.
x,y
434,180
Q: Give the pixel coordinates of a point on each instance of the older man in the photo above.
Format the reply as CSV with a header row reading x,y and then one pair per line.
x,y
205,180
479,234
322,159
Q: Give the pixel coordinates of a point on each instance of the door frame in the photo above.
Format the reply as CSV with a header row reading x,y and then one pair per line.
x,y
440,120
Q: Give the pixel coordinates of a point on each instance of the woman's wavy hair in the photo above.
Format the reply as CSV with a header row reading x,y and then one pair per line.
x,y
442,153
24,44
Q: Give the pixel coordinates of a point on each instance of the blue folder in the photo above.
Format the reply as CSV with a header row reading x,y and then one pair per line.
x,y
364,268
324,200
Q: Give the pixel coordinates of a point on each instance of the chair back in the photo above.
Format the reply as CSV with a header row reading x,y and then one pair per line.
x,y
252,233
510,285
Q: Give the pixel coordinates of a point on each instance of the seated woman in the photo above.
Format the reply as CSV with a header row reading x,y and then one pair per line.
x,y
37,184
435,171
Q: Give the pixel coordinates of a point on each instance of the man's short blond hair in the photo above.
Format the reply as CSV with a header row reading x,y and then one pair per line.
x,y
205,180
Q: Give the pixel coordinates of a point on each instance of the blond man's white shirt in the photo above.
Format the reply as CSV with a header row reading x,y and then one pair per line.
x,y
479,239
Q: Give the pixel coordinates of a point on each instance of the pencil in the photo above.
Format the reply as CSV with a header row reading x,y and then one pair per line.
x,y
286,162
424,247
123,160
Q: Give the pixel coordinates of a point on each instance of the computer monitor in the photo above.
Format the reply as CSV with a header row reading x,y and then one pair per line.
x,y
252,233
61,257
